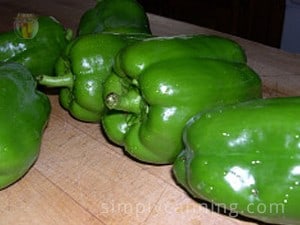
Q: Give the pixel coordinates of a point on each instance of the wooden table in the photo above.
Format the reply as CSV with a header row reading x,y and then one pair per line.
x,y
82,179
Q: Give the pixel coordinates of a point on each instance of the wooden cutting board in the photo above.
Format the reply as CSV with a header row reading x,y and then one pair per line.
x,y
82,179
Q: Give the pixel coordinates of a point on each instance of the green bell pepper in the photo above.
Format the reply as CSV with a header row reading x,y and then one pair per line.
x,y
160,82
82,70
39,50
24,113
246,158
119,16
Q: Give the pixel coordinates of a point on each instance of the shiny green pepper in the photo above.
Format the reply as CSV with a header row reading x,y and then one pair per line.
x,y
160,82
82,70
39,51
24,113
246,158
118,16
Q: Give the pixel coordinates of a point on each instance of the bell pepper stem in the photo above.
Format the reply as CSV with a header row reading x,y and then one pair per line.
x,y
56,81
69,34
129,102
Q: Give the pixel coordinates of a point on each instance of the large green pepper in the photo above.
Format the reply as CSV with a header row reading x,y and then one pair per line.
x,y
81,71
161,82
119,16
39,50
24,112
246,158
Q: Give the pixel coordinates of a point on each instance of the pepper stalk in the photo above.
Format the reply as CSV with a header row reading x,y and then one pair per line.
x,y
65,80
130,102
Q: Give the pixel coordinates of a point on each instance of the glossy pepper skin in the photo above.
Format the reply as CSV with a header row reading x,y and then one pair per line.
x,y
118,16
245,157
159,83
82,70
24,113
39,53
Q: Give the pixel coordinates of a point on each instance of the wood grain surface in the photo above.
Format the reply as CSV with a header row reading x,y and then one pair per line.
x,y
82,179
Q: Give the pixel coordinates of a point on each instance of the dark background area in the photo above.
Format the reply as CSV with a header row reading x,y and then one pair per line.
x,y
257,20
